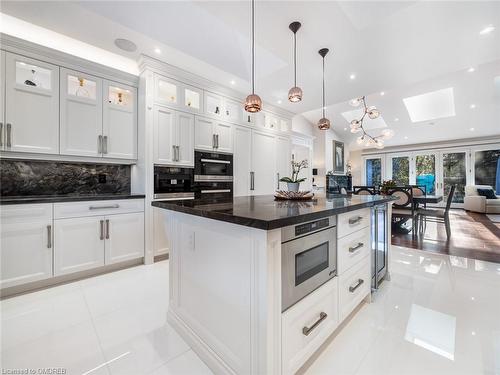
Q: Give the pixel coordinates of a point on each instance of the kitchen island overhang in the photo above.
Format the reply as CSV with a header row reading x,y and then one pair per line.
x,y
226,284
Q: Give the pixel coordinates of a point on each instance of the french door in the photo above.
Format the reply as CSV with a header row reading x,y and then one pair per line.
x,y
454,170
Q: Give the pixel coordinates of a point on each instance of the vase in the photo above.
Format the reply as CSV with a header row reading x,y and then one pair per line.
x,y
293,186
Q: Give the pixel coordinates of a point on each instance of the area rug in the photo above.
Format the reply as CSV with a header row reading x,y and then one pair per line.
x,y
494,218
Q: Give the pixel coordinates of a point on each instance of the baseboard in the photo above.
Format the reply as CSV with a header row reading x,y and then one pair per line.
x,y
211,359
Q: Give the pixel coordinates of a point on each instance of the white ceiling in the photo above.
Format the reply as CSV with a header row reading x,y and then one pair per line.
x,y
403,48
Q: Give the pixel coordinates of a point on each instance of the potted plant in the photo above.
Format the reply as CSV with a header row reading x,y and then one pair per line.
x,y
294,181
386,186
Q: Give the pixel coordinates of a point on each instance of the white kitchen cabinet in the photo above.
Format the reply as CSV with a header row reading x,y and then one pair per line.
x,y
78,244
173,134
193,98
31,106
283,158
213,103
26,244
184,136
232,110
242,138
212,135
160,240
124,237
271,121
119,115
2,99
81,114
167,91
263,163
163,135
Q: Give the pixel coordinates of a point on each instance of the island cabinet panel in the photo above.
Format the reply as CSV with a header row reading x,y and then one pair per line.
x,y
263,163
354,286
213,283
352,248
350,222
307,324
26,244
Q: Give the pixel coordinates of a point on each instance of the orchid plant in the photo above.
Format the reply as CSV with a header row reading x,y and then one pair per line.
x,y
296,168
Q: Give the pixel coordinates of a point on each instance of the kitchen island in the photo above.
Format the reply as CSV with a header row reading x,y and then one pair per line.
x,y
238,297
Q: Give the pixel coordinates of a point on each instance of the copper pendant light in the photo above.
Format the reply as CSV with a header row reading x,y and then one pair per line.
x,y
253,103
295,93
323,123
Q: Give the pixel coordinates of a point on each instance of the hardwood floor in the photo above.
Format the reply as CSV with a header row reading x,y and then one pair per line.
x,y
473,236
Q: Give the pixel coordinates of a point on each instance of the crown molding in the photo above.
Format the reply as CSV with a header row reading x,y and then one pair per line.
x,y
148,63
23,47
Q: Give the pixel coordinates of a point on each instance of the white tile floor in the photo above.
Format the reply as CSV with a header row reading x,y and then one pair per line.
x,y
438,315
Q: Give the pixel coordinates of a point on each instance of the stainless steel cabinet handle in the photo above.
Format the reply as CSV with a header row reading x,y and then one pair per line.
x,y
252,180
217,141
107,229
105,144
278,181
49,236
307,330
9,135
99,144
1,134
213,140
215,161
178,152
216,191
104,207
355,220
358,284
101,235
354,248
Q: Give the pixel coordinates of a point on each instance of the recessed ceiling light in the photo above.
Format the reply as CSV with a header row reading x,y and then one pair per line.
x,y
125,44
396,119
488,29
382,93
345,129
233,82
157,50
352,76
406,137
280,101
472,106
431,106
472,129
471,70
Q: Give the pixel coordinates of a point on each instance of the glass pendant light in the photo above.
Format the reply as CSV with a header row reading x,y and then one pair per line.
x,y
323,123
295,93
253,103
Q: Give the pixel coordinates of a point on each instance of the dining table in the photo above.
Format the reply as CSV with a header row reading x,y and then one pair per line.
x,y
426,199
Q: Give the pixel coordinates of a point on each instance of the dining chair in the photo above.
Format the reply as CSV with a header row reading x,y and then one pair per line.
x,y
404,207
439,215
363,190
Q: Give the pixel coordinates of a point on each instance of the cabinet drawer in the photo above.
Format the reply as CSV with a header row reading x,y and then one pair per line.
x,y
97,208
20,213
354,286
352,248
352,221
307,324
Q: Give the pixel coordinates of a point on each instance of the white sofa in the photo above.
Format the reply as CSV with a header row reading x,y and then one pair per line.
x,y
474,202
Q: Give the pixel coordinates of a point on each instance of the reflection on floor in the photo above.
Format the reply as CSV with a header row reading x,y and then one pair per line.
x,y
438,315
473,236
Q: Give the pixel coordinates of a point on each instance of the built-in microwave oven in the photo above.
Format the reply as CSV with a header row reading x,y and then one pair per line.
x,y
210,166
171,183
308,258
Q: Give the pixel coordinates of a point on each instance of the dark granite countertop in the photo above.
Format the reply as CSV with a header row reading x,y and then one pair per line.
x,y
264,212
65,198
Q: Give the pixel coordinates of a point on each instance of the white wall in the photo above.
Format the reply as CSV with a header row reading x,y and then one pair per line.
x,y
301,125
323,153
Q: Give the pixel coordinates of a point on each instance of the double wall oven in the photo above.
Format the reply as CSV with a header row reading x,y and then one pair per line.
x,y
213,175
308,258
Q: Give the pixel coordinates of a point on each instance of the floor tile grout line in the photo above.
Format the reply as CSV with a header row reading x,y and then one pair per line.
x,y
171,359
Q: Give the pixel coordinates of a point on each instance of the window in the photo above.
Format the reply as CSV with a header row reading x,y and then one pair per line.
x,y
486,168
373,169
401,170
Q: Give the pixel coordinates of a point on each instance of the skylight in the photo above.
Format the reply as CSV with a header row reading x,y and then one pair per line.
x,y
431,106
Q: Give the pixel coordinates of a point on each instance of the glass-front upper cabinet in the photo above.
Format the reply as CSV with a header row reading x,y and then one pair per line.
x,y
119,129
271,121
213,103
192,98
284,125
31,106
81,114
232,110
167,91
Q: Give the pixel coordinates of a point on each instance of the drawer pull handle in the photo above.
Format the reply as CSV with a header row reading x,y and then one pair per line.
x,y
49,236
307,330
355,220
104,207
358,284
101,235
352,249
107,229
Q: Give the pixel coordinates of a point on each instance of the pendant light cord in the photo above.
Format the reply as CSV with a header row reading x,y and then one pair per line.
x,y
295,58
253,47
323,86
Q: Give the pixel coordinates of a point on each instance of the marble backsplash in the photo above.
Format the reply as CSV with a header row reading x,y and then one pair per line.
x,y
30,177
